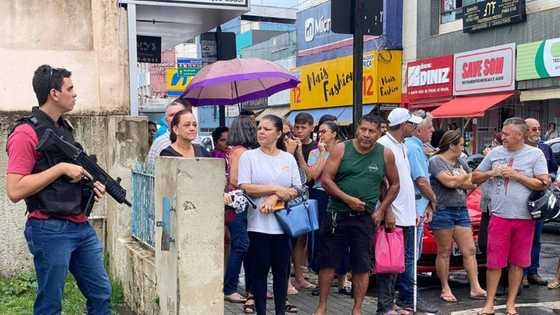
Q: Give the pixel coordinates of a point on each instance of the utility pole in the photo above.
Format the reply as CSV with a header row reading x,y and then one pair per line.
x,y
358,60
221,108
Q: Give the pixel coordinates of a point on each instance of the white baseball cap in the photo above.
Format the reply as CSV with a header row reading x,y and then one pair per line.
x,y
401,115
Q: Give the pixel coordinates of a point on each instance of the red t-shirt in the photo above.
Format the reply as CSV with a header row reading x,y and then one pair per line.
x,y
22,158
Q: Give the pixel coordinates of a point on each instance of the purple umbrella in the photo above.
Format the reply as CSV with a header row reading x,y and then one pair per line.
x,y
237,80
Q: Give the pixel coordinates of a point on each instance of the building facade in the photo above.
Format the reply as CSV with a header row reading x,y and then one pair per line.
x,y
494,46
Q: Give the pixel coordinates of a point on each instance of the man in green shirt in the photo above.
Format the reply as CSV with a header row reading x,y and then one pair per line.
x,y
353,177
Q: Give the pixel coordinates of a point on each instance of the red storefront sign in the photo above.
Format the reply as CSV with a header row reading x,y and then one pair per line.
x,y
430,78
485,70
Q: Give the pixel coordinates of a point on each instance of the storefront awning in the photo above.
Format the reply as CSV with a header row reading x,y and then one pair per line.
x,y
317,113
279,111
343,114
469,106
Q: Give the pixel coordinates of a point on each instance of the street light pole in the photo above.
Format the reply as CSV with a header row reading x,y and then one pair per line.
x,y
221,109
358,60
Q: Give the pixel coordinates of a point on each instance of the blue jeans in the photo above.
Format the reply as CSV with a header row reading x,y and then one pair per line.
x,y
405,283
58,246
535,250
239,246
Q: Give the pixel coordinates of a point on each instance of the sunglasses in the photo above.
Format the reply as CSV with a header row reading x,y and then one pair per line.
x,y
51,74
535,129
420,113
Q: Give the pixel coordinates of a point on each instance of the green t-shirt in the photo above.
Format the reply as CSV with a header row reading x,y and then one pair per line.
x,y
359,175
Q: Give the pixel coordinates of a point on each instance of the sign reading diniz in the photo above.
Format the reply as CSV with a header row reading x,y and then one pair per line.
x,y
485,70
430,78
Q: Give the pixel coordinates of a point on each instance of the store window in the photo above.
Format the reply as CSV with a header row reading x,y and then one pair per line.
x,y
452,10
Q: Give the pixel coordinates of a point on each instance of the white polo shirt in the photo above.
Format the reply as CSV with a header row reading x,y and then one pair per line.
x,y
404,205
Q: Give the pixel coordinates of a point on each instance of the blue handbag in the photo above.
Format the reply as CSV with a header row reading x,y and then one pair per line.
x,y
299,217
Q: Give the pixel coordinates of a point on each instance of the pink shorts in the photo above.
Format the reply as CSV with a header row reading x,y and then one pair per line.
x,y
509,240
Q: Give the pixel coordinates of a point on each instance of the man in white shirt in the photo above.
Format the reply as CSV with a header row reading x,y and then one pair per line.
x,y
402,125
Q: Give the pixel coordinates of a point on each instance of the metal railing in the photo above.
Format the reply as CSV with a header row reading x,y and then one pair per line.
x,y
143,208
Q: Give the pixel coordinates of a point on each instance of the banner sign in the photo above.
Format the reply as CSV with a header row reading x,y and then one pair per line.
x,y
148,49
430,78
538,60
329,83
177,79
492,13
485,70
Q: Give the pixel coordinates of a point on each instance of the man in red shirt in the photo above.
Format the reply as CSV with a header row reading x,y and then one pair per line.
x,y
57,231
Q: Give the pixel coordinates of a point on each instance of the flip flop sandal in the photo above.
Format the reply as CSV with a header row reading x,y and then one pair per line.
x,y
449,298
508,313
237,301
291,308
554,285
249,308
484,313
478,297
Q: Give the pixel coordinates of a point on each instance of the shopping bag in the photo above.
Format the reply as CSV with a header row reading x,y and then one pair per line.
x,y
389,251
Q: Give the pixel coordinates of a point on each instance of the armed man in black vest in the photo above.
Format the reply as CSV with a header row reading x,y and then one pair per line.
x,y
59,197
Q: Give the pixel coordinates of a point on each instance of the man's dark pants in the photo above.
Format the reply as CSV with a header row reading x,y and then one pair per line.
x,y
58,246
535,250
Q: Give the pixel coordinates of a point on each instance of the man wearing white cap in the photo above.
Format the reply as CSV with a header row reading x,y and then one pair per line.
x,y
402,125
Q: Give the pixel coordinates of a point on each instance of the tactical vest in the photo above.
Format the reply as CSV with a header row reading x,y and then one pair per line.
x,y
61,197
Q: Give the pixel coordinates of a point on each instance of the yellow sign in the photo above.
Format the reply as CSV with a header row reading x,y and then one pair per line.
x,y
329,83
175,84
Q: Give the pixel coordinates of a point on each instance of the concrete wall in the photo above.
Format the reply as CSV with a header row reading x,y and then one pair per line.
x,y
92,132
190,271
85,36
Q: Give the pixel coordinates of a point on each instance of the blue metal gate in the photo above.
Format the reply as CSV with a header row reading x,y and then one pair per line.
x,y
143,217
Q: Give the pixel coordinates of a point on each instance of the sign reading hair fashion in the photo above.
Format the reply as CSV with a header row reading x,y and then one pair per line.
x,y
430,78
148,49
329,83
491,13
538,60
485,70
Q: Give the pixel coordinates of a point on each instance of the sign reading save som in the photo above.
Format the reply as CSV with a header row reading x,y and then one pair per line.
x,y
330,83
485,70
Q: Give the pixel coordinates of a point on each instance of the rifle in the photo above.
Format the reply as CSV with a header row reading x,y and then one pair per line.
x,y
78,156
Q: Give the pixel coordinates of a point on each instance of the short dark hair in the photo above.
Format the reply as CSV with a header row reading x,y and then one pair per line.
x,y
152,123
243,132
217,133
47,78
304,118
326,117
372,119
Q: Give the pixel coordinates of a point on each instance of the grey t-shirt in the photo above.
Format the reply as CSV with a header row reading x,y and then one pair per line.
x,y
508,198
447,197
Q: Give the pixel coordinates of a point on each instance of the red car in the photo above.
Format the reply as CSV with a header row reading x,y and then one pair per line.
x,y
427,261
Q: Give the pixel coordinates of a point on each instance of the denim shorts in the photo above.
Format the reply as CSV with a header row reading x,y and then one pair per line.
x,y
447,218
